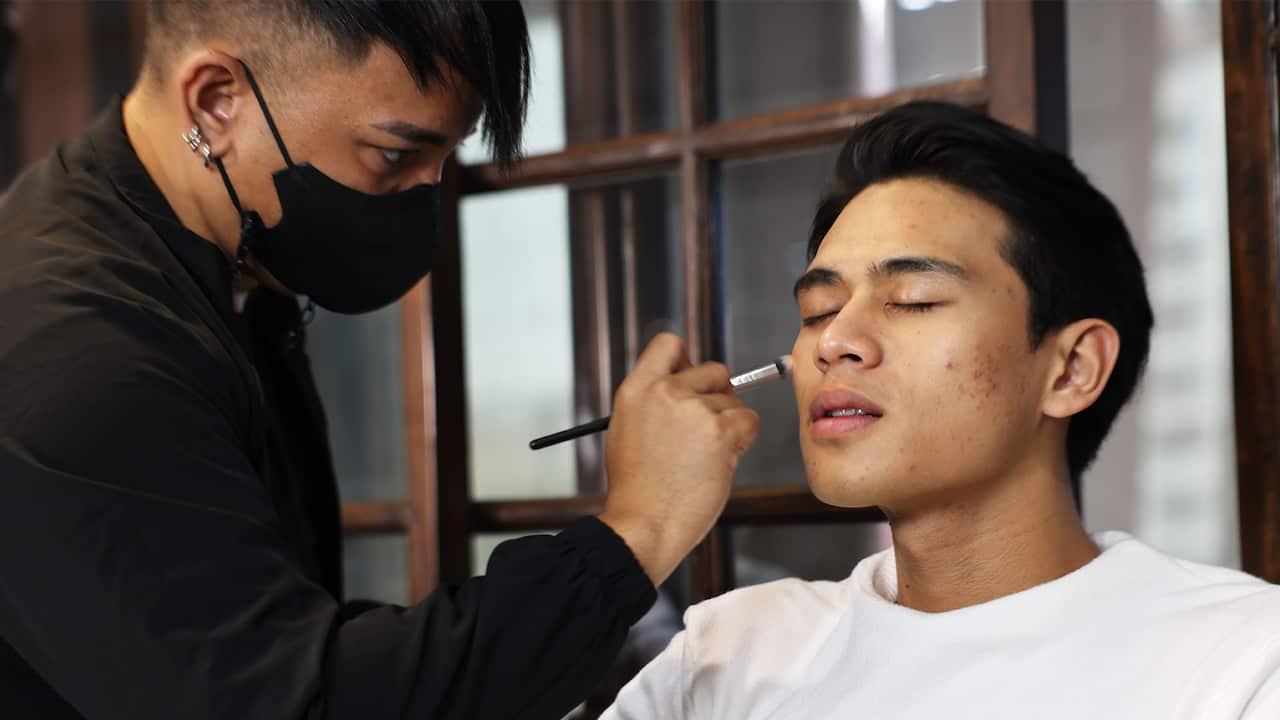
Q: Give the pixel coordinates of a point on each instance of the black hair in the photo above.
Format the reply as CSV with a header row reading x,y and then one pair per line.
x,y
486,42
1067,241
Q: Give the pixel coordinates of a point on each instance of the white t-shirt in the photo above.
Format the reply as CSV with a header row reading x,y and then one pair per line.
x,y
1133,634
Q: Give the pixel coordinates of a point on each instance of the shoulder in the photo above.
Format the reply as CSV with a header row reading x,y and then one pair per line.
x,y
762,619
1219,609
733,652
1223,627
786,595
61,194
1225,594
95,337
1175,577
88,292
107,394
737,650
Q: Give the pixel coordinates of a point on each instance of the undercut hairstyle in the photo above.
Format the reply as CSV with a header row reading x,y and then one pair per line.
x,y
1067,241
484,42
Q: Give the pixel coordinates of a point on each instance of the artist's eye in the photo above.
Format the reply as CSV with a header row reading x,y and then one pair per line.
x,y
395,157
813,320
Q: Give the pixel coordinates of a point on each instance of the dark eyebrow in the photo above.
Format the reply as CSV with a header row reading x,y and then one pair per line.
x,y
910,265
826,277
815,277
411,132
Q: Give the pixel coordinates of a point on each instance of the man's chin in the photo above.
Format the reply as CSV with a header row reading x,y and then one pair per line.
x,y
846,492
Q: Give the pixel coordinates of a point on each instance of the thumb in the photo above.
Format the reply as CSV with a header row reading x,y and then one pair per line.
x,y
664,355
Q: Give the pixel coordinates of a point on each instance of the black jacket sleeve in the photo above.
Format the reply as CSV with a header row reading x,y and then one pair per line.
x,y
143,575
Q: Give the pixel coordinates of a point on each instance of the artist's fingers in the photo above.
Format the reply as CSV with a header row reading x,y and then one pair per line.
x,y
721,402
742,425
664,355
711,377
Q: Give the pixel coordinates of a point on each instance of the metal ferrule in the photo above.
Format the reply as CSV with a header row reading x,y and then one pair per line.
x,y
759,376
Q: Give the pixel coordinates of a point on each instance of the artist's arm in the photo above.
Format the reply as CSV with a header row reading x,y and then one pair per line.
x,y
674,442
536,634
144,574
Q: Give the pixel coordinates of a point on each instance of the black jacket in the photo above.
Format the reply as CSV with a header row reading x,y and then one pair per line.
x,y
169,542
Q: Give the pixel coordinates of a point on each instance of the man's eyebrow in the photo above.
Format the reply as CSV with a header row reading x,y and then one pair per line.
x,y
411,132
912,265
816,277
826,277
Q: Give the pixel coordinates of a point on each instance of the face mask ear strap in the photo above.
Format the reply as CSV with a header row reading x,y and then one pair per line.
x,y
235,199
249,222
253,84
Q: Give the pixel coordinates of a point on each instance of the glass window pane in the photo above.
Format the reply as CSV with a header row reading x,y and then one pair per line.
x,y
765,553
518,334
781,54
523,379
357,366
375,567
767,205
613,62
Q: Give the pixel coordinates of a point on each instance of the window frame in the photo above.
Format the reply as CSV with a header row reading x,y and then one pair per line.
x,y
1024,84
1250,43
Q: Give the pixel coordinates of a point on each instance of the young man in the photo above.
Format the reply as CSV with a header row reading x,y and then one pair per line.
x,y
972,320
169,539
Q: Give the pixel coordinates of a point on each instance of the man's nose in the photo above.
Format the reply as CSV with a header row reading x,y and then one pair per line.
x,y
848,339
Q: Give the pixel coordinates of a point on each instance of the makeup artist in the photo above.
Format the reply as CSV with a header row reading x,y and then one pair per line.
x,y
169,531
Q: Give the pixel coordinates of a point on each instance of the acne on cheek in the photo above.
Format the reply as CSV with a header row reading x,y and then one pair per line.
x,y
986,376
983,380
983,385
966,389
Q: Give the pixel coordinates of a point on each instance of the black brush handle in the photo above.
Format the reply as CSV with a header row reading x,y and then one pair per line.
x,y
780,368
578,431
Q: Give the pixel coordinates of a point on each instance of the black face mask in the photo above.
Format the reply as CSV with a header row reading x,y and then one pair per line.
x,y
348,251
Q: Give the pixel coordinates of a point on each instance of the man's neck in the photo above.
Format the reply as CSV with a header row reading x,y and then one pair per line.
x,y
144,122
1017,534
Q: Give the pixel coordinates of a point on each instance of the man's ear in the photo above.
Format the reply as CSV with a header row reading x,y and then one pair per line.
x,y
1084,354
215,94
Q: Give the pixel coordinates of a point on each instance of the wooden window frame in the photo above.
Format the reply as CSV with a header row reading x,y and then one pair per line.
x,y
1250,43
1024,85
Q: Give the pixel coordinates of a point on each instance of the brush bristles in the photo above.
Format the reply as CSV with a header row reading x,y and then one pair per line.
x,y
784,365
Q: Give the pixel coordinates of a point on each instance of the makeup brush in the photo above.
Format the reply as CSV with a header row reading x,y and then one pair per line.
x,y
775,370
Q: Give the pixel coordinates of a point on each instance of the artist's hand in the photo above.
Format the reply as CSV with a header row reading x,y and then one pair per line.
x,y
675,438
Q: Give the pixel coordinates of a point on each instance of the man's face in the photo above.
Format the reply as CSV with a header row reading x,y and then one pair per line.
x,y
910,315
368,126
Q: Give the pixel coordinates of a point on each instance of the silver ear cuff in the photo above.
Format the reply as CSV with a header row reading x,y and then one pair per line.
x,y
195,140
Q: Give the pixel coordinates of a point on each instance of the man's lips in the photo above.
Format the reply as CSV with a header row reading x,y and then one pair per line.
x,y
839,411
